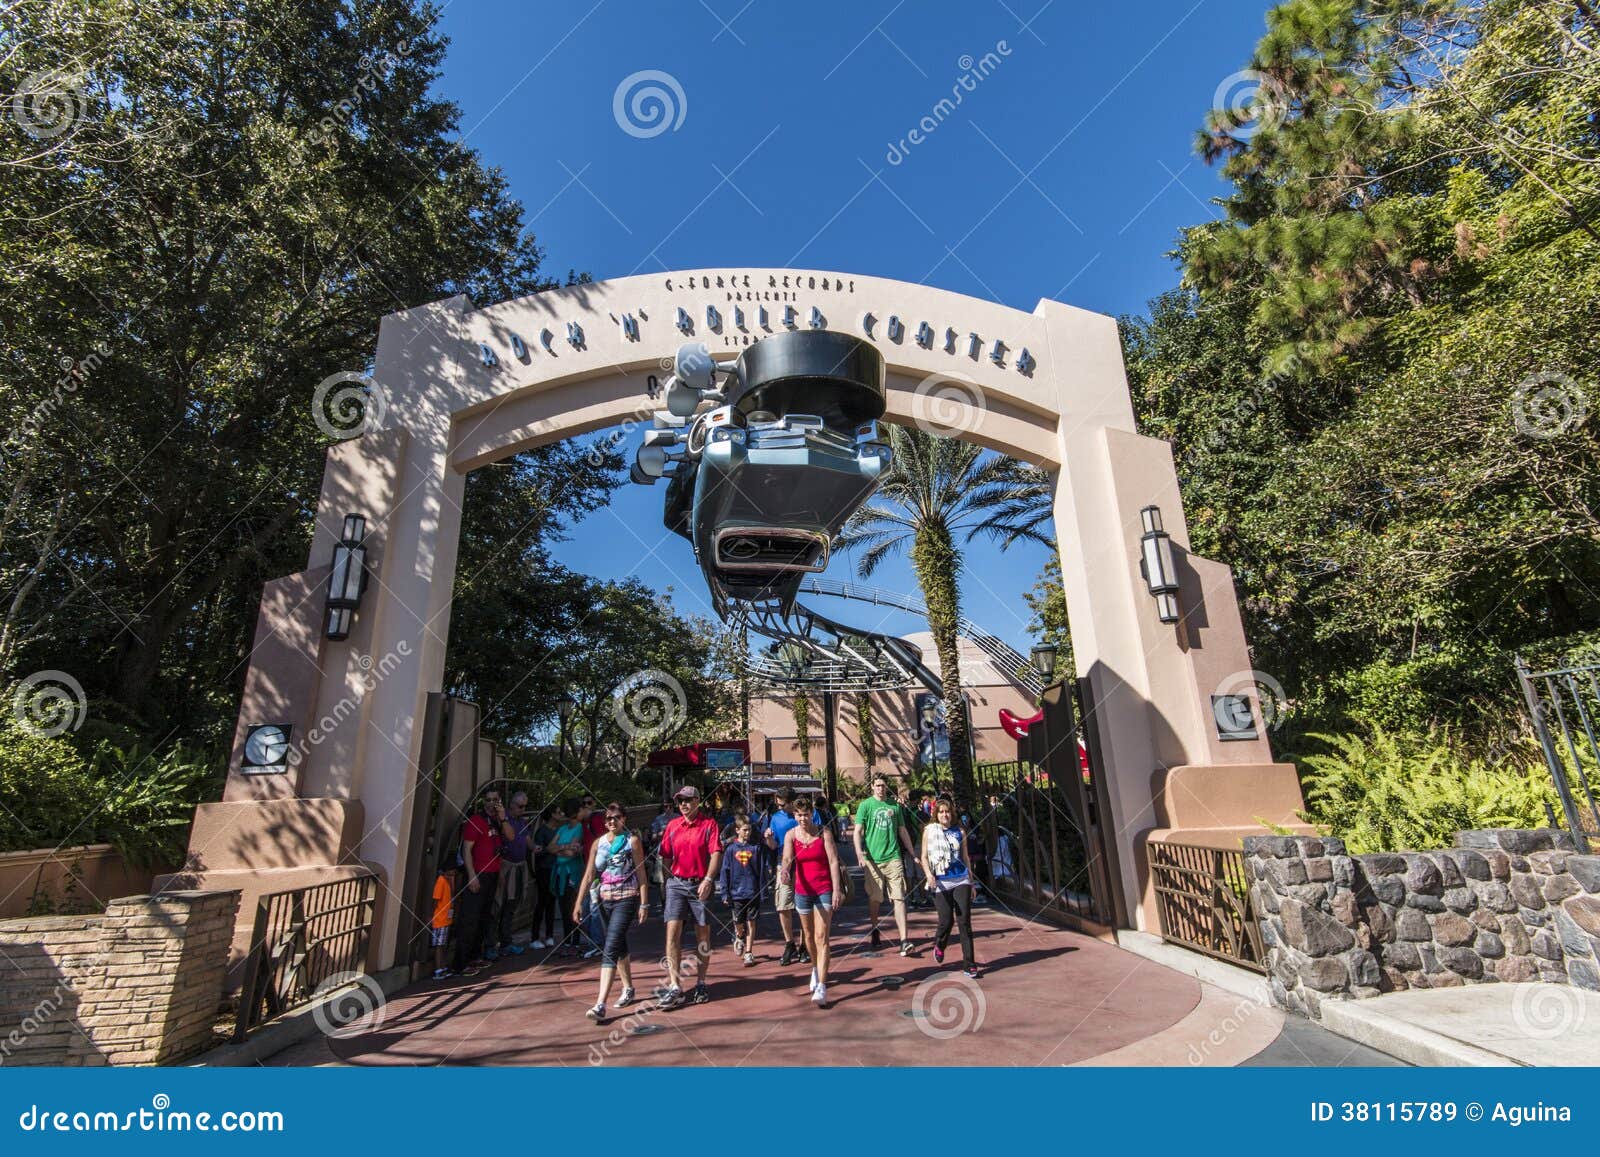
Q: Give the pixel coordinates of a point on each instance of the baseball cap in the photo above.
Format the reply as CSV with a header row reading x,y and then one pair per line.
x,y
687,792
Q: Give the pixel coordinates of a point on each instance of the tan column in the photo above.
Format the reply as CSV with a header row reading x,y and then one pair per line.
x,y
1150,683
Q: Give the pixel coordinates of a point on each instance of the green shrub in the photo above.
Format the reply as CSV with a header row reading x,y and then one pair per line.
x,y
1389,792
53,795
44,784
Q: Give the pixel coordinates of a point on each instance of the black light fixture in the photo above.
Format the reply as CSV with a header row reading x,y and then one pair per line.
x,y
1155,563
1044,660
348,578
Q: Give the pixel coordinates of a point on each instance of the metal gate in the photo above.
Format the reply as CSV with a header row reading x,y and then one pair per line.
x,y
1569,696
1203,899
1045,819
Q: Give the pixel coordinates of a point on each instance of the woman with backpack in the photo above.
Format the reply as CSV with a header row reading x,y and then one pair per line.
x,y
616,866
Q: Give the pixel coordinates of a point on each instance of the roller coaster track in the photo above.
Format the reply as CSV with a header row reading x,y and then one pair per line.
x,y
1014,666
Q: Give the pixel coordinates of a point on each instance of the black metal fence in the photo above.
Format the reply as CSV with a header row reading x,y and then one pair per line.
x,y
1039,858
1203,898
302,939
1568,698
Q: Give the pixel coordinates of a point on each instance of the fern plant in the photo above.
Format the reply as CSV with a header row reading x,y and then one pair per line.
x,y
1386,792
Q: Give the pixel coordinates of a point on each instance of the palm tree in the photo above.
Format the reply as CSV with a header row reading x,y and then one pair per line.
x,y
938,495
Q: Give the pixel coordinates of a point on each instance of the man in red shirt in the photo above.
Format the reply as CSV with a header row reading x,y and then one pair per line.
x,y
691,853
480,856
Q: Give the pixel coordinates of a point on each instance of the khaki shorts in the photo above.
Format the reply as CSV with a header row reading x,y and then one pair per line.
x,y
782,896
888,877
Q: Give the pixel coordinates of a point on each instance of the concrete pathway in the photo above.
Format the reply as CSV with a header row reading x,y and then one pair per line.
x,y
1047,997
1478,1024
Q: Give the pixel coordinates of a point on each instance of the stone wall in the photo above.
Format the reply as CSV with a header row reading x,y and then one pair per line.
x,y
137,984
1503,905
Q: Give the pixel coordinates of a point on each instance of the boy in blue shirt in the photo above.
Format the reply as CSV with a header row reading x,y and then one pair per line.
x,y
741,886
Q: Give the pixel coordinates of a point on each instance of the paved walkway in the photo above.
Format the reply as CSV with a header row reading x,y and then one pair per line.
x,y
1478,1024
1048,997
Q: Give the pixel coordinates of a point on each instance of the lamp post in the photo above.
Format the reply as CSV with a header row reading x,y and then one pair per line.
x,y
1043,656
565,706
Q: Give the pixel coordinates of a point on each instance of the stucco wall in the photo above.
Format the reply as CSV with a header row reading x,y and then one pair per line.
x,y
76,879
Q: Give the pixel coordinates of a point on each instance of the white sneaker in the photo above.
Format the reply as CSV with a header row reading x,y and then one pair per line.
x,y
626,998
749,959
819,995
597,1013
536,944
738,946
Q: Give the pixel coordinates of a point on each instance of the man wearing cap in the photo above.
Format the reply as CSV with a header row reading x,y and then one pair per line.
x,y
691,853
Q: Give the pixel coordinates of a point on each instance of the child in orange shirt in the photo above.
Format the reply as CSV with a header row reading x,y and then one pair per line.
x,y
444,912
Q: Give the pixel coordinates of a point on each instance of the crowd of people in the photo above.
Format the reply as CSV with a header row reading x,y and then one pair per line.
x,y
581,864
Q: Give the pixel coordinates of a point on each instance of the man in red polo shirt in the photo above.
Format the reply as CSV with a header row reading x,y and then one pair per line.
x,y
691,853
480,854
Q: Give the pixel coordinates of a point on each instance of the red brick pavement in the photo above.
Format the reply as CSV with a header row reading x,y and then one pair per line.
x,y
1047,997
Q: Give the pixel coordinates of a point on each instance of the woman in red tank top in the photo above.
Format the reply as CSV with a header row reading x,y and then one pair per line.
x,y
811,863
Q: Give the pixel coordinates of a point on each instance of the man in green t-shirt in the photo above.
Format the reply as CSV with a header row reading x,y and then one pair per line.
x,y
881,839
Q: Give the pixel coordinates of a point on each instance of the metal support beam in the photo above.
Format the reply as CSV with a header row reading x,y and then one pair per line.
x,y
830,714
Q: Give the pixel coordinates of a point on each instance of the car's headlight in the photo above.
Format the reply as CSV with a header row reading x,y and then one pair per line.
x,y
734,434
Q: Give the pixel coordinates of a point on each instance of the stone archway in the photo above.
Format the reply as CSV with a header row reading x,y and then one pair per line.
x,y
459,387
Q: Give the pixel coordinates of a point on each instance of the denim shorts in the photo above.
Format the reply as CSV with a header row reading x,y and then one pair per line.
x,y
804,903
682,898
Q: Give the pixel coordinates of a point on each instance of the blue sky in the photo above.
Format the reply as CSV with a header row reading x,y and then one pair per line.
x,y
1066,172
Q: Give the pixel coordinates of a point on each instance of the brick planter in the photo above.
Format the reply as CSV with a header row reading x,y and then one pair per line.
x,y
138,984
1503,905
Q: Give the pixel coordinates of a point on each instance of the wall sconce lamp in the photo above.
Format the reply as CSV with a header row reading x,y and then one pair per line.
x,y
1155,563
348,578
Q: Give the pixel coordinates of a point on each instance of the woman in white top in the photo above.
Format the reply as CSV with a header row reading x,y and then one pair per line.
x,y
944,860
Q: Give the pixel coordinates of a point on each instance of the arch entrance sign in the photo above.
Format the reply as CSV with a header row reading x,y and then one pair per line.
x,y
322,780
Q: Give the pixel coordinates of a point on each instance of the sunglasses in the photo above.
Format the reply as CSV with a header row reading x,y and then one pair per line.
x,y
616,819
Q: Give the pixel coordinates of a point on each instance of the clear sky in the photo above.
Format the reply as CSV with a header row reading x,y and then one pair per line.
x,y
1066,171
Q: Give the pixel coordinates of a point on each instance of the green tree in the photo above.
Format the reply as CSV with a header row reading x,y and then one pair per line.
x,y
1378,379
643,677
515,611
1048,622
938,495
208,206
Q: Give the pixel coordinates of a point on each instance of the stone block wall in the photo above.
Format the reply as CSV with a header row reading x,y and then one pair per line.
x,y
1503,905
138,984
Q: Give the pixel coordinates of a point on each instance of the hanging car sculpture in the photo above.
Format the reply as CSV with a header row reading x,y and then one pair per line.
x,y
766,457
